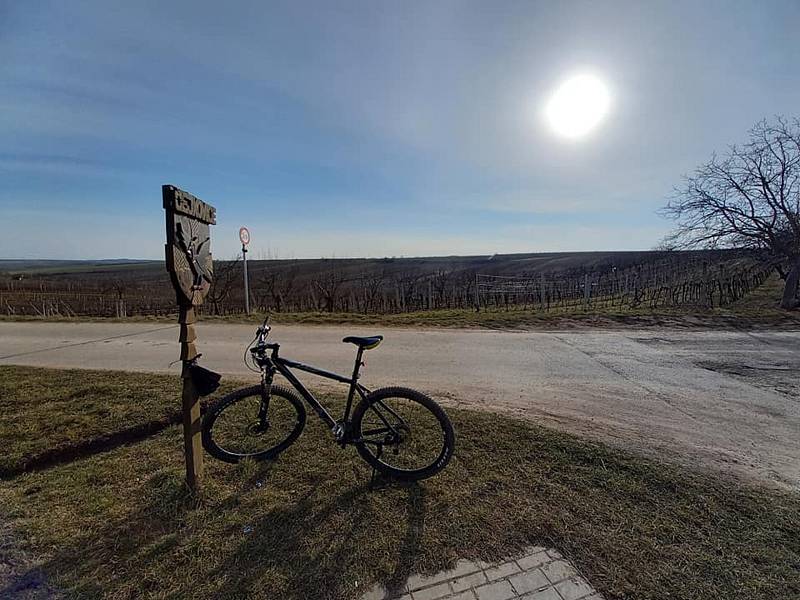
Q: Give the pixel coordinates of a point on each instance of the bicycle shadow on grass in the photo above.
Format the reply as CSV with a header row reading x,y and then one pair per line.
x,y
310,538
147,535
321,548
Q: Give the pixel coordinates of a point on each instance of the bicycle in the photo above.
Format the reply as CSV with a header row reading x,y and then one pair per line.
x,y
400,432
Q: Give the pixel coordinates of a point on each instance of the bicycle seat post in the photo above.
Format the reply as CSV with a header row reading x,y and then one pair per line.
x,y
359,362
356,368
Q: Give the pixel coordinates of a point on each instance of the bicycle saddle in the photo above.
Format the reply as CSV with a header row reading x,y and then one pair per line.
x,y
367,343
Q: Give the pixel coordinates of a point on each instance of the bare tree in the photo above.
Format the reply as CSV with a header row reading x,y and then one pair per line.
x,y
371,286
329,284
405,284
750,198
119,287
279,285
227,275
440,281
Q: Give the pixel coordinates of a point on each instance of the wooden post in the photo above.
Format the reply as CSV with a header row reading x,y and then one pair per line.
x,y
192,442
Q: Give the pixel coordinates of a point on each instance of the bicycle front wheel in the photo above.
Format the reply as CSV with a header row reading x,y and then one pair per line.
x,y
245,424
403,433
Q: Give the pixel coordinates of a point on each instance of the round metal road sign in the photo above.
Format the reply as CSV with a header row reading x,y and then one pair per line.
x,y
244,236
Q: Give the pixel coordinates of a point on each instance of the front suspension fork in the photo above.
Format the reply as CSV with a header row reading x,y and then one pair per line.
x,y
266,392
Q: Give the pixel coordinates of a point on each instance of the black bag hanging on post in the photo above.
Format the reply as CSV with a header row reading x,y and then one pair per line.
x,y
204,380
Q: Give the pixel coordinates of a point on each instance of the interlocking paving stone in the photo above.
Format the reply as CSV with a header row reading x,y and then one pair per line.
x,y
531,561
463,567
497,590
466,595
558,570
529,581
546,594
468,581
574,588
416,582
502,570
432,593
536,574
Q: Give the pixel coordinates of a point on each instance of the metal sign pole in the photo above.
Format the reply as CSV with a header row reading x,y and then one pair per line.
x,y
246,281
244,237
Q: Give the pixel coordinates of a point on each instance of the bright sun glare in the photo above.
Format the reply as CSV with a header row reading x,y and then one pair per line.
x,y
578,106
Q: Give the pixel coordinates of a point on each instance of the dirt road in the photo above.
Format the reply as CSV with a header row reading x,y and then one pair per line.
x,y
730,400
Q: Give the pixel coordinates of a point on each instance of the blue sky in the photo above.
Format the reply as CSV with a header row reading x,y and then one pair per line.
x,y
370,129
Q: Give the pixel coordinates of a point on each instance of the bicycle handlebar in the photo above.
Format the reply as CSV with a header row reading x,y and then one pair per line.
x,y
263,332
259,348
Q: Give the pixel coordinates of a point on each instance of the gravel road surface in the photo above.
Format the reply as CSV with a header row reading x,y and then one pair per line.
x,y
727,399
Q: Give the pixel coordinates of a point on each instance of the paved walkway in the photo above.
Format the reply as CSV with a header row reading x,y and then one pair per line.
x,y
536,574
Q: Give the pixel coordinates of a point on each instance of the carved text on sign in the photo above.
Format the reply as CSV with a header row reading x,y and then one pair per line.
x,y
186,204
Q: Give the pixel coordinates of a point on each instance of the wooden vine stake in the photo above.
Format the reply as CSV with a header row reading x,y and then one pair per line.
x,y
189,262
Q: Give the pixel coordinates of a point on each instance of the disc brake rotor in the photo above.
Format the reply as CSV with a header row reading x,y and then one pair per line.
x,y
258,428
403,435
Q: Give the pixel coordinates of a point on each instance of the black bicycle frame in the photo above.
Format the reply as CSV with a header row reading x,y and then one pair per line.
x,y
340,429
283,366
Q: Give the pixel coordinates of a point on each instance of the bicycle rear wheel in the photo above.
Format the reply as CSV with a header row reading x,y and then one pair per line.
x,y
243,425
403,433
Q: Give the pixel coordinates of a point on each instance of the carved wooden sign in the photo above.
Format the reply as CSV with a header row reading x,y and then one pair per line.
x,y
188,259
188,249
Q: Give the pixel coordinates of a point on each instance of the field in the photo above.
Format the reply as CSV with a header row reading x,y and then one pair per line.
x,y
115,520
550,283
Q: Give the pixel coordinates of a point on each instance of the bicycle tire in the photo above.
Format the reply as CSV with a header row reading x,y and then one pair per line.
x,y
448,439
215,449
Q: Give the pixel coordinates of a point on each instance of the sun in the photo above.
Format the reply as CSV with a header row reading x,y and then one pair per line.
x,y
578,106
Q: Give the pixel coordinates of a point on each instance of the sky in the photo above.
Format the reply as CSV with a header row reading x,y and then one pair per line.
x,y
343,129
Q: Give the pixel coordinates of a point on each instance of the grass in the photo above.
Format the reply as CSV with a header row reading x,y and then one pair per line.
x,y
120,523
758,309
47,414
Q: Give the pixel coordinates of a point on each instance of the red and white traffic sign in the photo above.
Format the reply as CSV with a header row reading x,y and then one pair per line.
x,y
244,236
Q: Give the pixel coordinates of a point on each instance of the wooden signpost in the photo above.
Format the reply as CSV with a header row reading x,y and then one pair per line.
x,y
189,262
